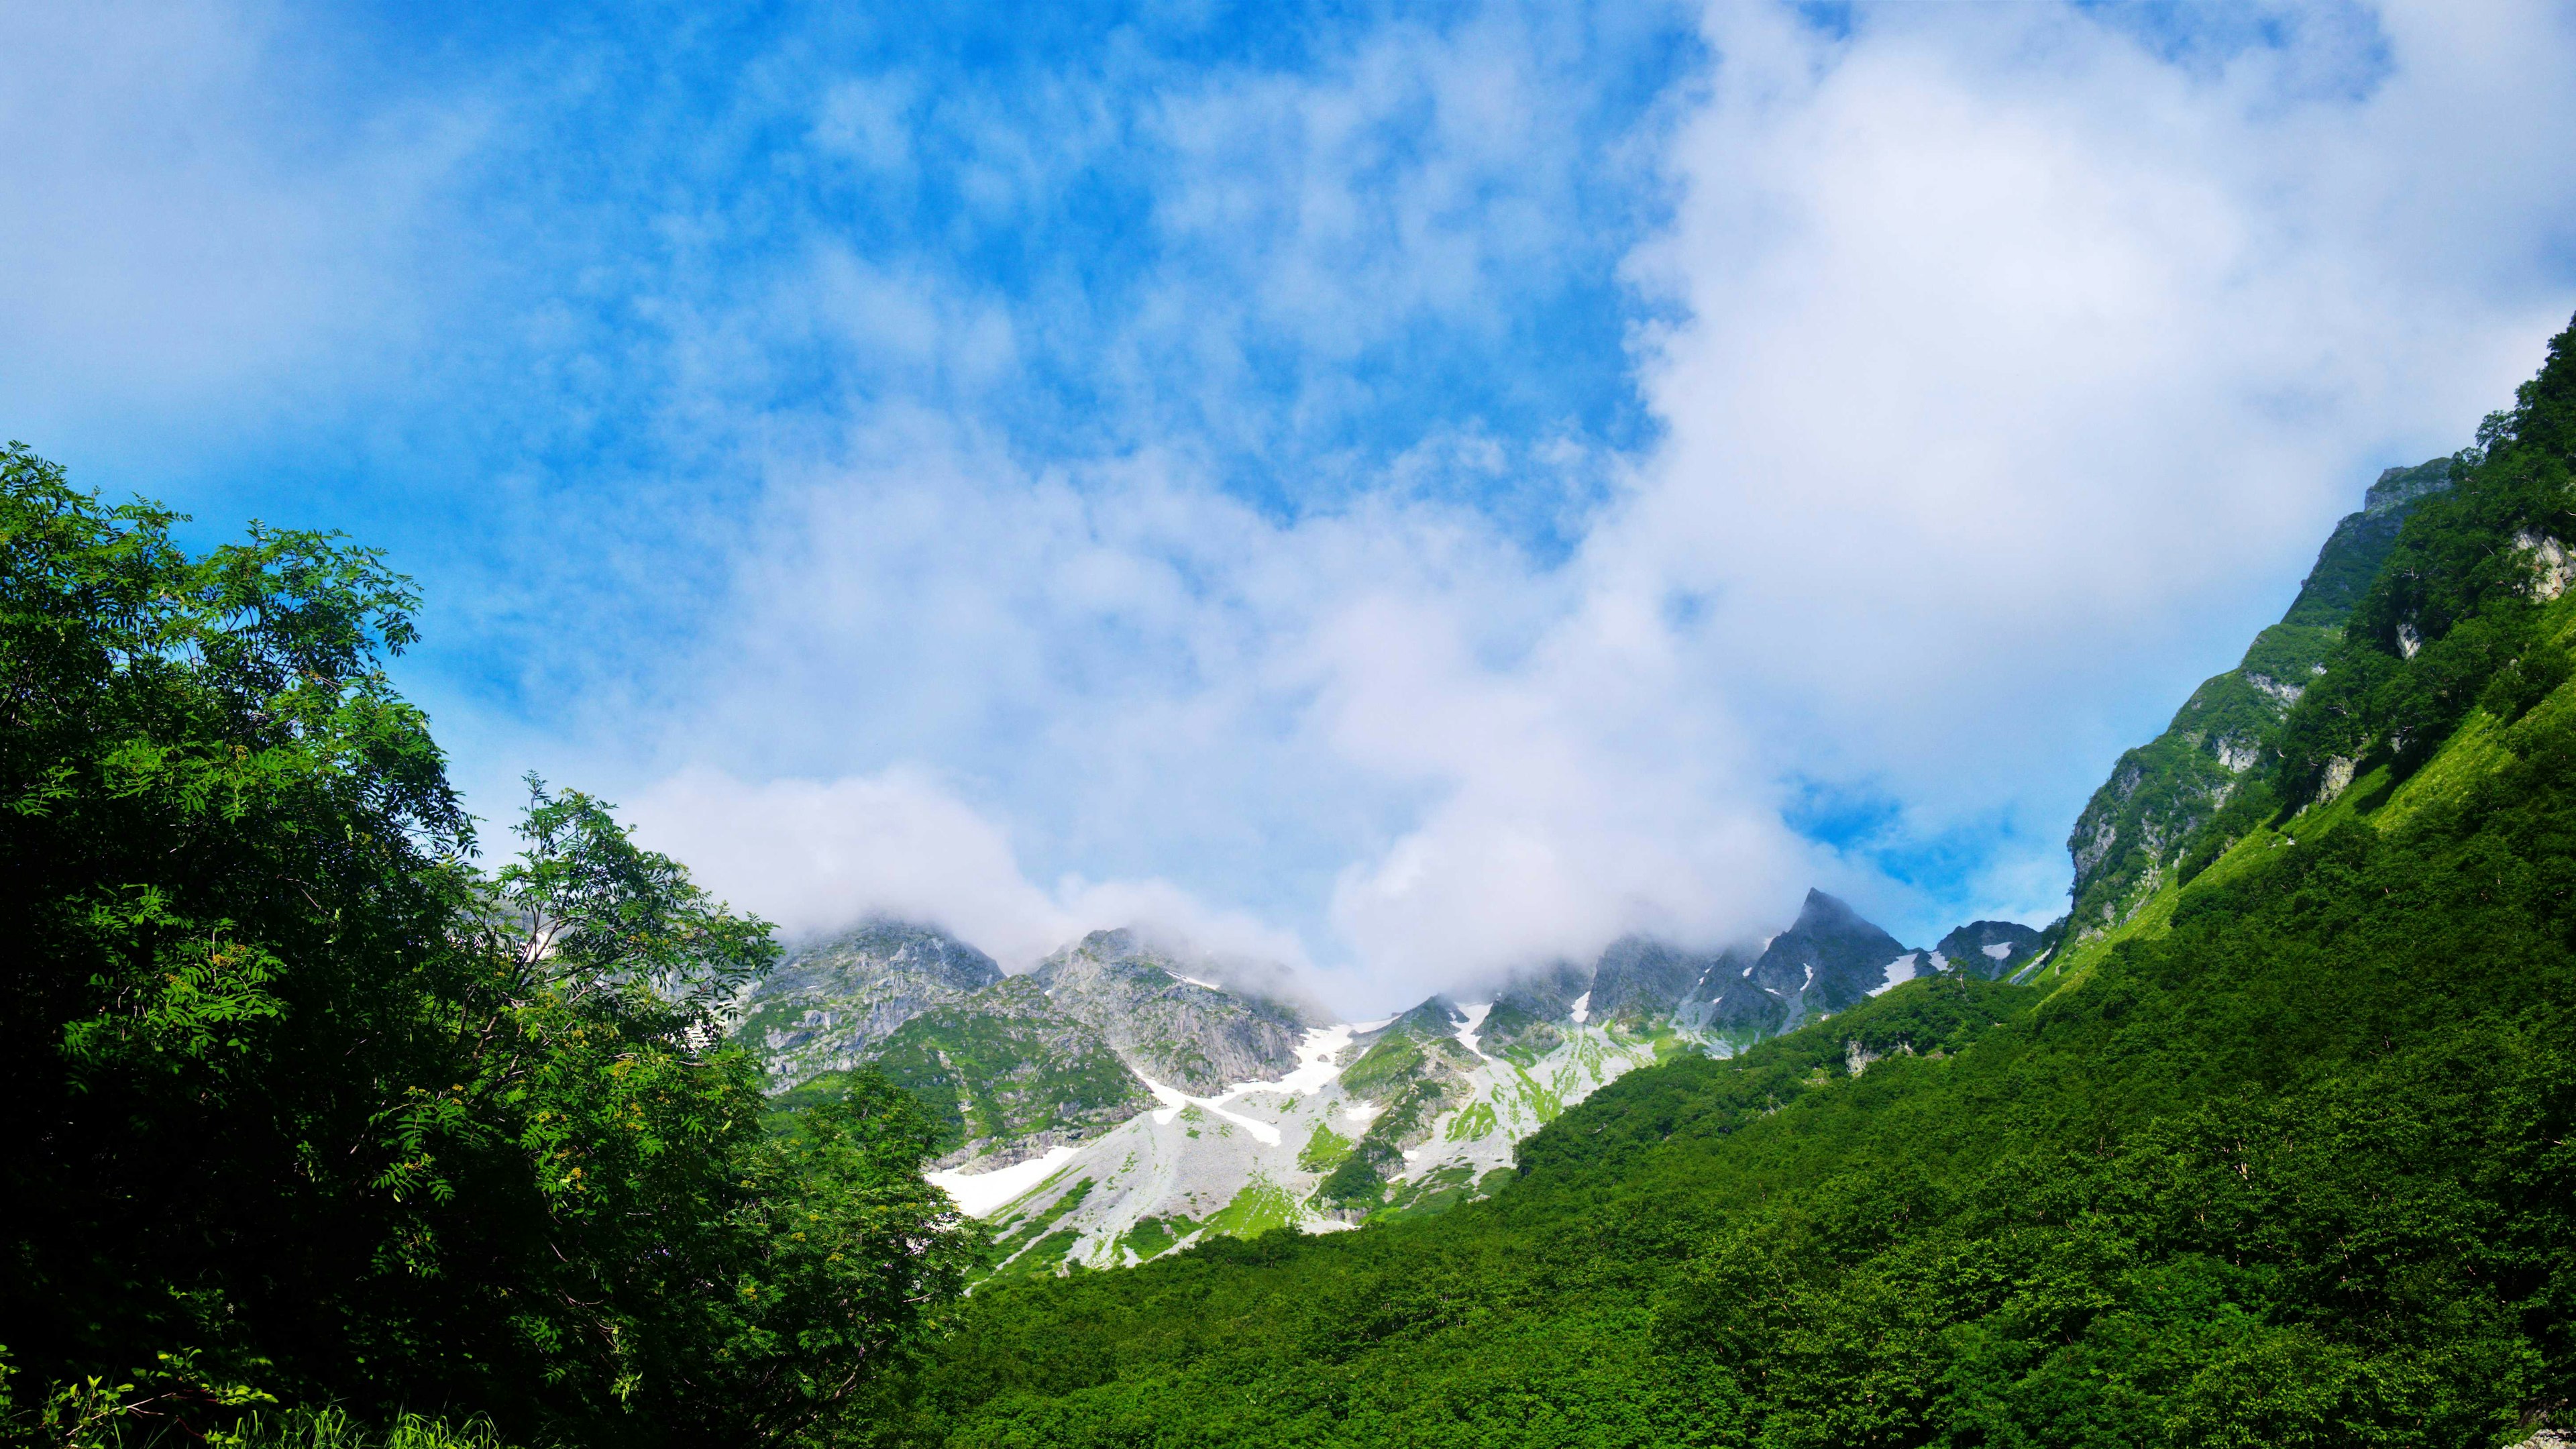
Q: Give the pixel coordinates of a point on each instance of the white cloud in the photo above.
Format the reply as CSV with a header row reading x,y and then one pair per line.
x,y
2016,365
2021,363
815,855
189,231
2008,368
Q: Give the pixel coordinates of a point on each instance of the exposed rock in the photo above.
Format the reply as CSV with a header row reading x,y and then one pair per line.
x,y
827,1007
1639,978
1829,959
2280,693
1856,1057
2398,489
1990,949
2138,828
2551,568
1412,1070
1185,1033
1010,1074
1549,993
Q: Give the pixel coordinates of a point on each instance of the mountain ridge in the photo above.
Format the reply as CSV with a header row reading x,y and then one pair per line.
x,y
1115,1102
2278,1155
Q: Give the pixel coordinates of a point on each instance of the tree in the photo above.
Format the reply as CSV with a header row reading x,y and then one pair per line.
x,y
302,1103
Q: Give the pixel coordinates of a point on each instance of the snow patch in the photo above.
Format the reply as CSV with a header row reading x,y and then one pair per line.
x,y
1359,1111
1999,950
1899,971
978,1193
1315,1069
1475,1023
1194,981
1582,1009
1174,1099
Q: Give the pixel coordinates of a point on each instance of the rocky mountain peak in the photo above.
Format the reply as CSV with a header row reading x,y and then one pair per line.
x,y
1989,949
1167,1017
1824,913
829,1005
1639,978
2398,488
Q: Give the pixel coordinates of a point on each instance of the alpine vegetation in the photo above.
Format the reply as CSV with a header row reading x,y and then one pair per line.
x,y
324,1128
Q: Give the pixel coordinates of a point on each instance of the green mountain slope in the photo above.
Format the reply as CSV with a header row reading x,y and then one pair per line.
x,y
829,1006
2287,1164
1177,1030
1007,1075
2173,794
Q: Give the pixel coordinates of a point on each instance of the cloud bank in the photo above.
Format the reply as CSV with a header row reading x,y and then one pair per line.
x,y
1404,496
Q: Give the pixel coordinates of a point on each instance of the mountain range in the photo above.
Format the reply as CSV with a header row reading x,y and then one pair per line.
x,y
2268,1142
1119,1100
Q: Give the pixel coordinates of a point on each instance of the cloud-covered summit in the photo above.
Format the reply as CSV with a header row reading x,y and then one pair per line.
x,y
1412,495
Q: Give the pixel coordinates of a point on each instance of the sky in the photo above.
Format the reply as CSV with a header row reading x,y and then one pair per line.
x,y
1404,492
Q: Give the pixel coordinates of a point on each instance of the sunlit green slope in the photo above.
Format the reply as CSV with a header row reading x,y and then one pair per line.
x,y
2284,1159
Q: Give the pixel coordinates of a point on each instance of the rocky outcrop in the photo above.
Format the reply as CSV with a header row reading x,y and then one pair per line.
x,y
828,1007
1010,1075
1827,960
2551,569
1184,1032
1991,949
1411,1071
2146,818
1638,979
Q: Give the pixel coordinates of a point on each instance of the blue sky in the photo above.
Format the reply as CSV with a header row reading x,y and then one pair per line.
x,y
1403,490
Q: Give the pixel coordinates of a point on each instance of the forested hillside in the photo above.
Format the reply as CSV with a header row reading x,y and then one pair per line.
x,y
320,1128
2283,1161
312,1121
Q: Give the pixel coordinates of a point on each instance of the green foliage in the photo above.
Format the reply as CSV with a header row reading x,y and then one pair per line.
x,y
87,1418
2176,803
304,1107
1517,1036
1390,1064
1324,1150
1003,1065
1028,1246
2455,615
1261,1206
1151,1237
2294,1171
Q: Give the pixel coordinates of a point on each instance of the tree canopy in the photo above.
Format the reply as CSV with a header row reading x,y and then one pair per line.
x,y
304,1105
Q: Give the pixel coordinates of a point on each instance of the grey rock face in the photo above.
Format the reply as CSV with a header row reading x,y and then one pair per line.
x,y
1414,1069
1829,959
2145,820
1197,1037
1731,1001
828,1007
2397,488
1990,949
1523,1024
1009,1074
1639,979
1547,994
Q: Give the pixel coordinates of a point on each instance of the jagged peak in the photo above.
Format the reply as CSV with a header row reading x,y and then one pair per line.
x,y
887,944
1820,909
1436,1016
2396,488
